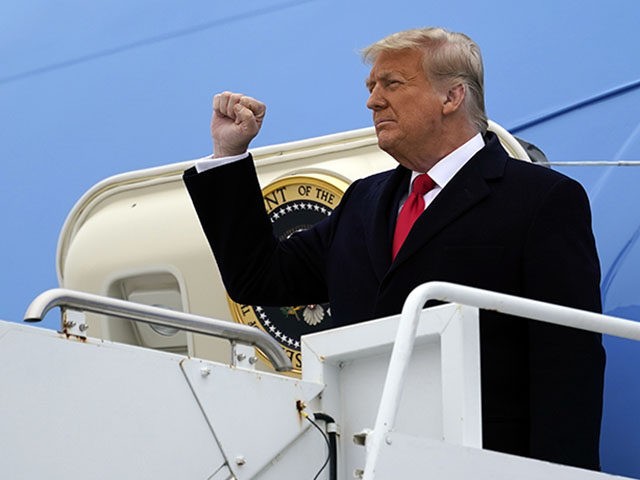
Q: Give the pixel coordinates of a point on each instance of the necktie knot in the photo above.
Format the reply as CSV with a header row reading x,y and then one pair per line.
x,y
422,184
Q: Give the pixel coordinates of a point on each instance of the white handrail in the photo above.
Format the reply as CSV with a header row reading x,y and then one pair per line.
x,y
473,297
234,332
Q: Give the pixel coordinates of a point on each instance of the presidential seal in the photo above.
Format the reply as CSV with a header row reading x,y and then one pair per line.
x,y
293,204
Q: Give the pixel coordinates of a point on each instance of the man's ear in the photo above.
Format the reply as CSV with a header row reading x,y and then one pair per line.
x,y
455,97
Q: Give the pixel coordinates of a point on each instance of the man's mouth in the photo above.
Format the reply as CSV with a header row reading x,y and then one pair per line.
x,y
382,122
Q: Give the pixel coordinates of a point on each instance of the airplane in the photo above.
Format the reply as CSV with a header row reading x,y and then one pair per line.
x,y
565,80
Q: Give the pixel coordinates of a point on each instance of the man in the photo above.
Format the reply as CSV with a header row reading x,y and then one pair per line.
x,y
488,221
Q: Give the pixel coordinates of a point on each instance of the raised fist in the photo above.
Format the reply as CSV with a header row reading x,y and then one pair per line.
x,y
235,122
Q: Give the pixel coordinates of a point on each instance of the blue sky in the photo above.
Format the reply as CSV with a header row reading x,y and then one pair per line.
x,y
92,89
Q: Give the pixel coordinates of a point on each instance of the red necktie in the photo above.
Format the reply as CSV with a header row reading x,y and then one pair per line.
x,y
411,210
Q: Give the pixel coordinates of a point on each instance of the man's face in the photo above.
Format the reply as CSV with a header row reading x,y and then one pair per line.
x,y
407,109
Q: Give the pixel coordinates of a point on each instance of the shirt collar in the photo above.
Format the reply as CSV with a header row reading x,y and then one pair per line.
x,y
443,171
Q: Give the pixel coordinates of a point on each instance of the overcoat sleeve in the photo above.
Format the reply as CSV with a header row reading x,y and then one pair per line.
x,y
256,267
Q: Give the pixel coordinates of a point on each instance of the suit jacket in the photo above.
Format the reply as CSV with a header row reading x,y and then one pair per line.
x,y
499,224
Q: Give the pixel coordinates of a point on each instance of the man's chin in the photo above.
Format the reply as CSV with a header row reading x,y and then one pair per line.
x,y
385,142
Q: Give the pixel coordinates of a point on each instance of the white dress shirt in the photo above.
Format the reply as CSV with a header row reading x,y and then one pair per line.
x,y
210,162
443,171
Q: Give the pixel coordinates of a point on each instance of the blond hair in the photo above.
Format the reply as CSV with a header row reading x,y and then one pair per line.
x,y
449,58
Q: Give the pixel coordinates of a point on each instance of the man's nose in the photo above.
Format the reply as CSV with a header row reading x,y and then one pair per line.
x,y
376,101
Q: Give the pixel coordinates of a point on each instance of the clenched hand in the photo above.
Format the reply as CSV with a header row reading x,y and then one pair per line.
x,y
235,122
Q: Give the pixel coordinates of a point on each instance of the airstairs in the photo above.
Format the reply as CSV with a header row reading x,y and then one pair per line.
x,y
404,393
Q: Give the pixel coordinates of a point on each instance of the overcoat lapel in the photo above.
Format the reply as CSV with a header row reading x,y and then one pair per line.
x,y
465,190
384,207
